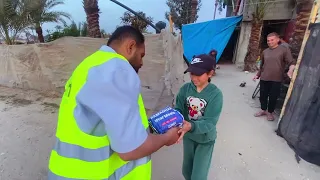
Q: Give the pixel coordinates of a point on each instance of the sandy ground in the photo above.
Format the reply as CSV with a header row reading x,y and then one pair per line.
x,y
247,148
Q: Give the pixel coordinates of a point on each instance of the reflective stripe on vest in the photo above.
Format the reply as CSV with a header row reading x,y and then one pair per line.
x,y
121,173
78,155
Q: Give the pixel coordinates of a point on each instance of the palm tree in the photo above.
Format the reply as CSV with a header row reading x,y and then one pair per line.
x,y
303,11
255,36
92,10
13,19
194,5
40,12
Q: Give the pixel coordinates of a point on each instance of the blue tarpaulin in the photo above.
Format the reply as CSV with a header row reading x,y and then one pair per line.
x,y
201,38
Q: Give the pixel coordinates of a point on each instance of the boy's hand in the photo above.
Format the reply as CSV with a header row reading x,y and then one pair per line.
x,y
185,128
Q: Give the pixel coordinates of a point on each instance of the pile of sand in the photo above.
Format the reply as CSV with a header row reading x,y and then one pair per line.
x,y
44,67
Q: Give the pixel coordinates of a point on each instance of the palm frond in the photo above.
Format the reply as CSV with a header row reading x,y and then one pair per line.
x,y
55,16
41,11
13,18
52,3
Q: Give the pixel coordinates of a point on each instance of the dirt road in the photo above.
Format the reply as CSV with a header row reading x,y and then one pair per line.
x,y
247,148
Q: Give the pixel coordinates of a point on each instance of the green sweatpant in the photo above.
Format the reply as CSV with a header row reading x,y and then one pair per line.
x,y
196,159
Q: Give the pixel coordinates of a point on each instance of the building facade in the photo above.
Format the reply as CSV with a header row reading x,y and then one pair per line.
x,y
279,17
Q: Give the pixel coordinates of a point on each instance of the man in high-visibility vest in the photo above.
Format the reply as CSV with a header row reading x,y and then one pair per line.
x,y
102,124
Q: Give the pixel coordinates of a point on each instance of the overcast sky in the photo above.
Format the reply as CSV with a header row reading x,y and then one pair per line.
x,y
111,12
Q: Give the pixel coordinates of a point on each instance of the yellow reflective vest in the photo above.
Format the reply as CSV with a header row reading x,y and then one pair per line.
x,y
77,155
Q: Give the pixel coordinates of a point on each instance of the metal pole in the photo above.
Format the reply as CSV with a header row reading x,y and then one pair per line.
x,y
133,12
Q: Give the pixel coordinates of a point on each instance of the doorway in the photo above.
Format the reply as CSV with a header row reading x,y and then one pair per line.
x,y
229,51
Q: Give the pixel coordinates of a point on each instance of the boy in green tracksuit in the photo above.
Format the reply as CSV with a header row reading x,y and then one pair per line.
x,y
200,102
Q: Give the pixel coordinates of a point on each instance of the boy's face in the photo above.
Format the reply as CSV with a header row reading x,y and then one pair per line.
x,y
201,80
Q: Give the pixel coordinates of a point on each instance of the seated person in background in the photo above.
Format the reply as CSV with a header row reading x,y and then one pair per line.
x,y
282,42
213,53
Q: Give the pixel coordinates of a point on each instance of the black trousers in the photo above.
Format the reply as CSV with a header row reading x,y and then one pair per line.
x,y
269,93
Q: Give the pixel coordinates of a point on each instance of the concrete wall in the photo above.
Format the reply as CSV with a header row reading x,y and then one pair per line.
x,y
283,9
175,65
243,43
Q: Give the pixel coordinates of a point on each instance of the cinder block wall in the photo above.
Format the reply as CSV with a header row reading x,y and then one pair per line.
x,y
175,65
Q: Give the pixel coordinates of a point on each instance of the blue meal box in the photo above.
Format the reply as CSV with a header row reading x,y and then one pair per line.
x,y
165,119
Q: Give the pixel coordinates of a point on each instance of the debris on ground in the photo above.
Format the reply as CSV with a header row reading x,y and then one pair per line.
x,y
243,84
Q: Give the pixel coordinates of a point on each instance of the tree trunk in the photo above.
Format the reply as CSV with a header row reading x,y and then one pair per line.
x,y
92,11
194,4
39,32
254,46
7,38
303,14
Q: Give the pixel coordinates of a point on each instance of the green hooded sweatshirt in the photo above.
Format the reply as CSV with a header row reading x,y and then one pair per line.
x,y
202,110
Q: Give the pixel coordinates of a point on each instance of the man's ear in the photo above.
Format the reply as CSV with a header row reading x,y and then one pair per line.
x,y
131,46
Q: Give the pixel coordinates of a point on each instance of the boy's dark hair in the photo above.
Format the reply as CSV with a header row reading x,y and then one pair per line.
x,y
185,60
209,80
124,32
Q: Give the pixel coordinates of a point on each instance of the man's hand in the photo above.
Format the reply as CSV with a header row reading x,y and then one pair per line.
x,y
185,128
290,72
172,136
152,144
255,78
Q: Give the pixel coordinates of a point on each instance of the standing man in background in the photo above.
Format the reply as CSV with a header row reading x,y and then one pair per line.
x,y
273,63
102,124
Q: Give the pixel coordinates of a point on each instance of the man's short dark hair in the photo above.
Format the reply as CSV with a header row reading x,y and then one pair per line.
x,y
273,34
124,32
